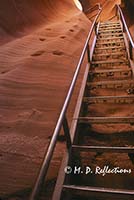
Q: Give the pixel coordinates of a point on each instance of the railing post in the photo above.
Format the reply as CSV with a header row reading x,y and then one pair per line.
x,y
120,19
62,121
118,13
95,27
88,53
130,51
67,133
123,27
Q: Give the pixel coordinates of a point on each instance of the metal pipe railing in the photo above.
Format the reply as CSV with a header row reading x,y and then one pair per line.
x,y
98,5
131,43
62,121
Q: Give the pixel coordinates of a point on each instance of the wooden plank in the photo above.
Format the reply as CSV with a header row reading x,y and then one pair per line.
x,y
109,99
110,61
111,70
106,120
109,24
110,42
118,27
102,149
109,27
86,191
109,50
111,38
103,40
110,34
117,84
113,73
98,191
113,47
110,45
110,31
113,55
109,54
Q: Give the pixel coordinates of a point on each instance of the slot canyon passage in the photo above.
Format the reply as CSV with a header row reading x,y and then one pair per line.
x,y
40,44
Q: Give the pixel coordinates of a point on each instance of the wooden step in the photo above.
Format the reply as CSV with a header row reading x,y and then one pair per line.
x,y
109,23
115,43
109,27
109,99
113,47
109,62
111,38
124,70
99,57
106,120
102,149
109,54
115,84
110,35
110,49
123,73
110,31
86,191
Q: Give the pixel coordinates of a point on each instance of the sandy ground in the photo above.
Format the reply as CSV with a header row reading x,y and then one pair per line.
x,y
35,74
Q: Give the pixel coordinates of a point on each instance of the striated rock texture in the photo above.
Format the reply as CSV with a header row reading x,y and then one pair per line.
x,y
21,17
109,10
41,42
128,9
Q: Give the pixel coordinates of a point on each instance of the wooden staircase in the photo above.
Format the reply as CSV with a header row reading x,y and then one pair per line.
x,y
85,172
99,161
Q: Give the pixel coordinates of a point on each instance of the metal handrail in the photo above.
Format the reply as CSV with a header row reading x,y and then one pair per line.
x,y
126,28
93,7
62,121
